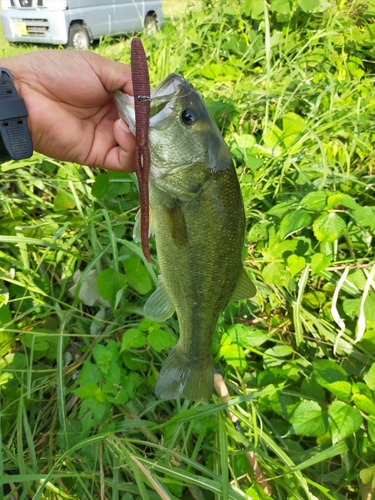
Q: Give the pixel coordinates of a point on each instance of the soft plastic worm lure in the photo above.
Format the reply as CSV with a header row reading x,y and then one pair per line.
x,y
141,87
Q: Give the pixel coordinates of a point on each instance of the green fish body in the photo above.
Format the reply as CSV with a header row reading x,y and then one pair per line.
x,y
199,222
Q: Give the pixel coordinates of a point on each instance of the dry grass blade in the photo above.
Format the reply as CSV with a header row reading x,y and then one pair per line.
x,y
156,485
222,390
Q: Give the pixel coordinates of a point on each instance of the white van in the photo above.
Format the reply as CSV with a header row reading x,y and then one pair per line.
x,y
76,23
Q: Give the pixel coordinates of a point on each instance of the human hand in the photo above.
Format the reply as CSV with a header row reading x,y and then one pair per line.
x,y
72,114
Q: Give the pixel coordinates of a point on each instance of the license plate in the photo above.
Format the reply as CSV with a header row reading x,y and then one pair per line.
x,y
18,29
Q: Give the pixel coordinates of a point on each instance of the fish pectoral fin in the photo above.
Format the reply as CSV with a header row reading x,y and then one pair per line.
x,y
137,226
159,306
245,288
176,223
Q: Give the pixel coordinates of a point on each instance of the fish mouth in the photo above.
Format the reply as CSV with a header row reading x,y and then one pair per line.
x,y
162,101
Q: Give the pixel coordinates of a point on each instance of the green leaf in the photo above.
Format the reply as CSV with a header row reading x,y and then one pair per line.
x,y
281,249
137,275
343,420
63,201
92,413
89,373
311,388
101,186
296,264
369,307
102,354
367,475
118,183
5,336
160,339
113,374
308,420
365,217
257,10
358,278
280,6
237,334
36,342
133,339
369,377
329,227
133,361
319,262
314,299
351,307
309,5
259,231
5,315
349,202
86,391
341,389
244,141
276,273
293,126
279,351
234,355
280,209
332,377
371,427
336,199
294,221
273,139
114,394
113,347
109,282
316,201
254,338
327,371
364,403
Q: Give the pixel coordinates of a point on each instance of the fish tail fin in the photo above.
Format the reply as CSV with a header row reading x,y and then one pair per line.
x,y
183,377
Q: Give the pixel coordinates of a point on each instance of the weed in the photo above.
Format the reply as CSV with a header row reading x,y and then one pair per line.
x,y
290,85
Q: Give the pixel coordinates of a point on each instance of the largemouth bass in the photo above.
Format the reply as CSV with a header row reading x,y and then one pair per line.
x,y
198,218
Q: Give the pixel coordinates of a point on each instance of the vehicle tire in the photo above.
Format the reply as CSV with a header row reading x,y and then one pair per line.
x,y
151,24
78,37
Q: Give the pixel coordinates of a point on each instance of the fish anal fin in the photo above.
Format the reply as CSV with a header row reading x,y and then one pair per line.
x,y
181,377
159,306
245,288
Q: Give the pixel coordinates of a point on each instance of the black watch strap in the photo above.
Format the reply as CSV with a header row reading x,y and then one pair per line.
x,y
15,138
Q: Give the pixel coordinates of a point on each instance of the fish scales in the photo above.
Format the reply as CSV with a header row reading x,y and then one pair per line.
x,y
199,223
206,259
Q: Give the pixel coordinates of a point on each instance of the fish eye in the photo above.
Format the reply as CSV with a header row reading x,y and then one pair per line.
x,y
189,116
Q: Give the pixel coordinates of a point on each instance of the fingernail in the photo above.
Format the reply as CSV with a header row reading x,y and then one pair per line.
x,y
123,126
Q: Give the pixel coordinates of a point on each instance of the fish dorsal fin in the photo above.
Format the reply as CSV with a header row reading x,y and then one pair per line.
x,y
245,288
159,306
137,226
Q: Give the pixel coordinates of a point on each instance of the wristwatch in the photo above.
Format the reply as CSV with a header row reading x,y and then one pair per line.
x,y
15,138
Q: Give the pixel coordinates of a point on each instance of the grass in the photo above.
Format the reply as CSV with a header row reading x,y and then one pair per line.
x,y
291,89
173,10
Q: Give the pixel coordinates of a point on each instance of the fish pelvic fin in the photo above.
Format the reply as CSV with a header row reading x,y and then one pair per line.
x,y
245,288
183,377
159,306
